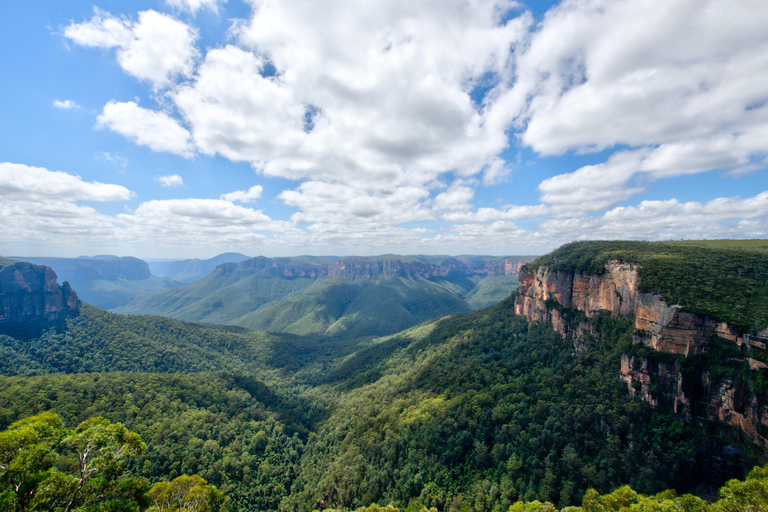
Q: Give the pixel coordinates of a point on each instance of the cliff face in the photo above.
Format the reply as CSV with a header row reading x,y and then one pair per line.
x,y
30,298
668,329
349,269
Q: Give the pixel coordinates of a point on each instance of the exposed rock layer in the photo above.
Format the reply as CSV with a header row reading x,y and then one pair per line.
x,y
546,296
30,298
348,269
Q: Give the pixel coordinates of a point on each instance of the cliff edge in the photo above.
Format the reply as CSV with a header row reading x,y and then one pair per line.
x,y
698,365
31,299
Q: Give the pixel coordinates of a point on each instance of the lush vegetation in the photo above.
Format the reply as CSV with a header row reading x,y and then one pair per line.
x,y
472,411
479,411
99,341
749,495
724,279
233,431
255,297
45,466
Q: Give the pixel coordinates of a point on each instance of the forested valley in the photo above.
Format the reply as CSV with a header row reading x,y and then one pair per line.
x,y
478,411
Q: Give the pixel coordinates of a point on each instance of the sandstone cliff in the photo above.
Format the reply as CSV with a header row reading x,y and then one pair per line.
x,y
30,298
569,300
349,269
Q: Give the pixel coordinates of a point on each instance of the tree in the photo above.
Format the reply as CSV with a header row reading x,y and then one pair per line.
x,y
45,466
26,456
185,493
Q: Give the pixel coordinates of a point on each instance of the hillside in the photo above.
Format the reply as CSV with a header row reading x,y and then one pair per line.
x,y
348,296
105,281
473,411
699,312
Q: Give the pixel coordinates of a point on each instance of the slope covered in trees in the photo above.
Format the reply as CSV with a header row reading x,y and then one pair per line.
x,y
350,297
475,411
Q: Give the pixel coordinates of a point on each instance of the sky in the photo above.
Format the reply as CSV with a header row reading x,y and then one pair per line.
x,y
188,128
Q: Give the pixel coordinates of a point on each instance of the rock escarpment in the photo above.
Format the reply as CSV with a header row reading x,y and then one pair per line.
x,y
349,269
569,299
30,299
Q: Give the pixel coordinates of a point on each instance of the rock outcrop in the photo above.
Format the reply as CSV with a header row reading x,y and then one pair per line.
x,y
31,299
349,269
557,297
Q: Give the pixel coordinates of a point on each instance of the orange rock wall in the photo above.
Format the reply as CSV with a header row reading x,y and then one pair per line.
x,y
665,328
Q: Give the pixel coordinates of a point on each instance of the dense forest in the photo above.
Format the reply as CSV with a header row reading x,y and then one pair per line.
x,y
478,411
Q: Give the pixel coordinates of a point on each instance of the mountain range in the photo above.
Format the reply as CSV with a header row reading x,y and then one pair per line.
x,y
353,297
613,364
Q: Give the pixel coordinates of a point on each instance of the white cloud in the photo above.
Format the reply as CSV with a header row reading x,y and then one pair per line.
x,y
356,206
157,48
118,161
383,86
38,206
244,196
103,31
671,219
683,80
66,104
195,5
156,130
23,182
594,187
495,214
235,112
171,180
458,197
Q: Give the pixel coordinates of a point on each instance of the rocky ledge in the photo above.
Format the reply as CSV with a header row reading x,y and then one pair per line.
x,y
30,298
668,329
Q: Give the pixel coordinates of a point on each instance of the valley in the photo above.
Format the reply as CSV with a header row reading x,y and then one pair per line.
x,y
563,392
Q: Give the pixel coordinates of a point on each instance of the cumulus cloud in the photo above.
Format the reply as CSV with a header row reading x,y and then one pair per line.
x,y
381,89
195,5
516,212
671,219
40,206
65,105
244,196
156,130
23,182
238,113
157,48
171,180
356,206
371,106
684,79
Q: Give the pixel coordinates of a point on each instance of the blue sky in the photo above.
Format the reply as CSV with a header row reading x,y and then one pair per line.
x,y
187,128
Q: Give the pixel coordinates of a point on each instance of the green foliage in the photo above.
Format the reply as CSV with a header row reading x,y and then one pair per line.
x,y
96,341
185,493
724,279
233,431
479,410
258,298
44,466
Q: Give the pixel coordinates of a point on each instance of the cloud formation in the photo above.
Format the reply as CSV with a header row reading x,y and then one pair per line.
x,y
65,105
393,118
156,130
157,48
171,180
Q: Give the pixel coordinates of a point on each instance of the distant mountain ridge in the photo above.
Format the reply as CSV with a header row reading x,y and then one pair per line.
x,y
350,296
187,271
354,267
